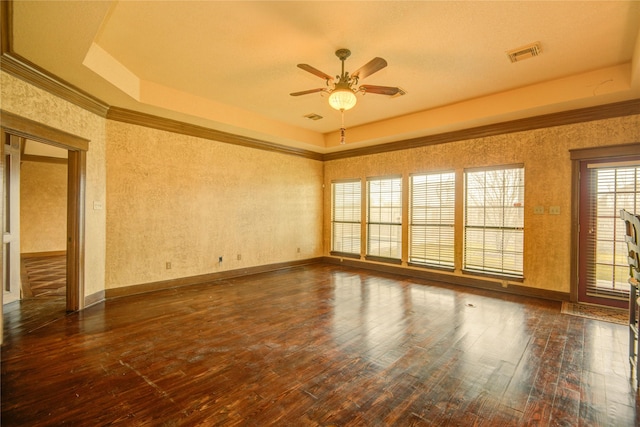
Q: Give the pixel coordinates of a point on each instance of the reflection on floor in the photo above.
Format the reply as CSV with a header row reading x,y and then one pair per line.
x,y
44,276
316,345
43,296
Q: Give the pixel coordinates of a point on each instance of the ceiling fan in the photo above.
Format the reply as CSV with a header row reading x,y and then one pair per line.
x,y
342,88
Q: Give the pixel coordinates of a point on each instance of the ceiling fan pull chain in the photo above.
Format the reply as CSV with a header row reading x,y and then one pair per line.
x,y
342,129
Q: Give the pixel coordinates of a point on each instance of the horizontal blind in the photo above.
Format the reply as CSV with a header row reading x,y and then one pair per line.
x,y
610,190
384,217
432,215
346,216
494,221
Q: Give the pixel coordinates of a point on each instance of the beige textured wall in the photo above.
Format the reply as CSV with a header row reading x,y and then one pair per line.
x,y
43,207
184,200
179,199
545,155
30,102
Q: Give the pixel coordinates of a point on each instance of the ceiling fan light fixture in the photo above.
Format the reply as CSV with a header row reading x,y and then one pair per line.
x,y
342,99
342,90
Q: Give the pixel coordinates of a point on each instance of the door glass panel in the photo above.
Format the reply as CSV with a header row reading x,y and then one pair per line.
x,y
606,188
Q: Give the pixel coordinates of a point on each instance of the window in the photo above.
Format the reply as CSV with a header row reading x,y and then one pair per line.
x,y
384,218
494,221
431,224
346,217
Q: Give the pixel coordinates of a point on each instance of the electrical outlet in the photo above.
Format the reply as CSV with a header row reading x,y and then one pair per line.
x,y
298,250
220,259
239,257
538,210
168,265
554,210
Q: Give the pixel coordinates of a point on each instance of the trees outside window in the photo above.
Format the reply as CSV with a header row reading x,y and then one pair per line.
x,y
494,221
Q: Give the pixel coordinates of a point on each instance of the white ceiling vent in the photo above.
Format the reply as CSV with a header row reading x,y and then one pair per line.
x,y
525,52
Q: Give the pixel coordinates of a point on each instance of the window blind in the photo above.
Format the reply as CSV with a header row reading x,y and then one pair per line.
x,y
610,189
384,217
432,214
494,221
346,216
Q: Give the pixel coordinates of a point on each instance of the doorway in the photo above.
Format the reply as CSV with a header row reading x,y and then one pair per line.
x,y
16,126
607,185
43,221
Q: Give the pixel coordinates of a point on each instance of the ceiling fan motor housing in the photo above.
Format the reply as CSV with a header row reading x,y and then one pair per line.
x,y
343,54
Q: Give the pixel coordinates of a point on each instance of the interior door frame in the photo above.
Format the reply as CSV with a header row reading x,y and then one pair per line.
x,y
577,157
76,182
11,220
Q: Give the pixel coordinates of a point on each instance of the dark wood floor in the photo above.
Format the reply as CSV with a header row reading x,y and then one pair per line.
x,y
317,346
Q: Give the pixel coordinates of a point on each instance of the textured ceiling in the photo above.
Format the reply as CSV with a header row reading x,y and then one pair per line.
x,y
231,65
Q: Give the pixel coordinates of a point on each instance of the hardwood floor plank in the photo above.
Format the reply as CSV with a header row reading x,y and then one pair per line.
x,y
317,345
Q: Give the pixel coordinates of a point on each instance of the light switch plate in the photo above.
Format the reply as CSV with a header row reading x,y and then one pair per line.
x,y
554,210
538,210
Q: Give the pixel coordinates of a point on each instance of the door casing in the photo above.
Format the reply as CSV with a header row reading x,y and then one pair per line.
x,y
11,220
577,156
12,124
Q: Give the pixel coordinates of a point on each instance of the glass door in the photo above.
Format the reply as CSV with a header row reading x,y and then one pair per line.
x,y
606,187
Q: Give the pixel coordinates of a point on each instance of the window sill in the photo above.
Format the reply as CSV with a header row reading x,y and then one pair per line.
x,y
383,259
432,267
344,255
518,279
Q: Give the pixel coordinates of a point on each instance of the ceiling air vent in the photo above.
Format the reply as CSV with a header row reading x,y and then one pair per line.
x,y
313,116
525,52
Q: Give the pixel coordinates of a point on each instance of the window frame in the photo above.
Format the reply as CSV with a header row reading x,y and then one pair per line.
x,y
419,217
396,226
499,228
355,222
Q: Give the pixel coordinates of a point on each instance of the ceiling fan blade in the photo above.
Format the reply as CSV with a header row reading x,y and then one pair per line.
x,y
376,64
315,71
380,90
305,92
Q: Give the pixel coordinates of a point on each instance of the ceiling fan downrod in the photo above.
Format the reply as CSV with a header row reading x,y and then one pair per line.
x,y
344,78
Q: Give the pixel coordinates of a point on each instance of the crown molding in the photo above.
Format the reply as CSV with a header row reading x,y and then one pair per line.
x,y
618,109
169,125
23,69
20,67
